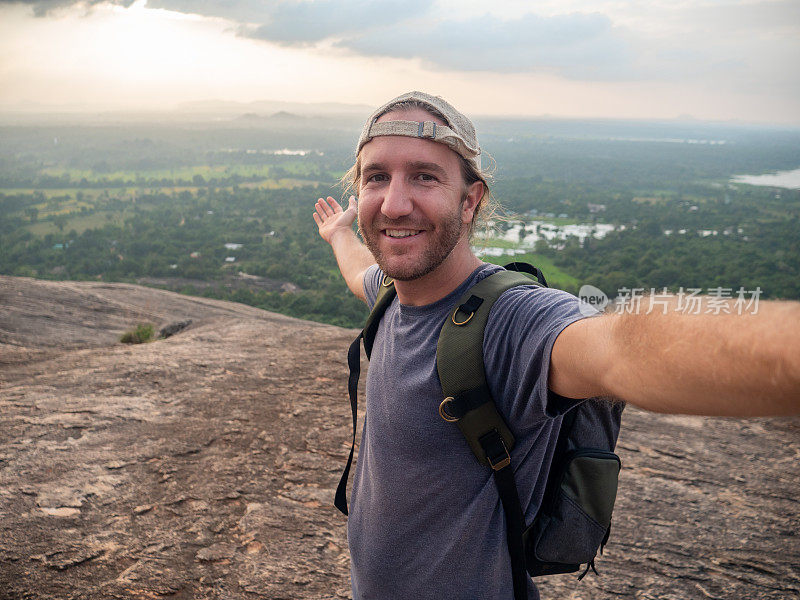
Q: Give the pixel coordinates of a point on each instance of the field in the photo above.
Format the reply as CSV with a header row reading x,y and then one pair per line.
x,y
556,277
139,202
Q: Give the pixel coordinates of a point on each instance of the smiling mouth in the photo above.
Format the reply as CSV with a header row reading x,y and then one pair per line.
x,y
401,233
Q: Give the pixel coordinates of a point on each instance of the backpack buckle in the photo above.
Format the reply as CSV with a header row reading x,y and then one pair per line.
x,y
443,410
497,454
504,462
469,307
464,322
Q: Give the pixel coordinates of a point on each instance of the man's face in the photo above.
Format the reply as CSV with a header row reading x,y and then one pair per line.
x,y
414,207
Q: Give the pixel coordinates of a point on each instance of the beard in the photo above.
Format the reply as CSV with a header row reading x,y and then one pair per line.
x,y
441,243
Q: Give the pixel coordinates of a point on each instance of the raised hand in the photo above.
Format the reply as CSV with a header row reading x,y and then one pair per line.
x,y
330,218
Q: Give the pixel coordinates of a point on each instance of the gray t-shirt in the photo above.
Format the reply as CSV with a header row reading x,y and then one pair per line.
x,y
425,517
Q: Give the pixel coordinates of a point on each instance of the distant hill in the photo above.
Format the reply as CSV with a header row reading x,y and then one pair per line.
x,y
279,116
204,464
202,111
274,106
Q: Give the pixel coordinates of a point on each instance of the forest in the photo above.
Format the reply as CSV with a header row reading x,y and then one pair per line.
x,y
223,208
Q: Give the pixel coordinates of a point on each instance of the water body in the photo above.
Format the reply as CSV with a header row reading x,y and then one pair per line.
x,y
542,230
782,179
539,230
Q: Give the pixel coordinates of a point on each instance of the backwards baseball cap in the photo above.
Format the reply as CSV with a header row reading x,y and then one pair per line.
x,y
458,134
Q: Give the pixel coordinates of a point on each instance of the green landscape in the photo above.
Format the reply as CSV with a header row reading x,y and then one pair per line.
x,y
222,208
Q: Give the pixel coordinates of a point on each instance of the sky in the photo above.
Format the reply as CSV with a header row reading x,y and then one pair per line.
x,y
730,60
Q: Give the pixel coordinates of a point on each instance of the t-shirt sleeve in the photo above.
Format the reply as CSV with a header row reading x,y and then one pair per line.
x,y
522,328
372,280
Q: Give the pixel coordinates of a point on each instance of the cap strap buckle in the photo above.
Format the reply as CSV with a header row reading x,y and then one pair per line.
x,y
427,129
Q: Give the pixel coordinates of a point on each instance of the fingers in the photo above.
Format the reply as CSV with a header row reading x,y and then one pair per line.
x,y
327,208
323,210
334,205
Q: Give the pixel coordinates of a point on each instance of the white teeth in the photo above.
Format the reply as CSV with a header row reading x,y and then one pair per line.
x,y
400,233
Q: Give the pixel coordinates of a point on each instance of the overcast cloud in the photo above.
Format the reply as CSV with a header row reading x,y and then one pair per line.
x,y
642,41
42,8
705,38
575,45
308,22
746,51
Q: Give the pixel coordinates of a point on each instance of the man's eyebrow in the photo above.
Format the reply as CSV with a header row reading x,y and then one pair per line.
x,y
414,166
370,167
427,166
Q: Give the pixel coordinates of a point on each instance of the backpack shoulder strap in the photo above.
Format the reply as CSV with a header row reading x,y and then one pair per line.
x,y
468,402
459,362
386,294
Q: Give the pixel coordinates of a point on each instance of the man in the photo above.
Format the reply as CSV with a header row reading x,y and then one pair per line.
x,y
425,519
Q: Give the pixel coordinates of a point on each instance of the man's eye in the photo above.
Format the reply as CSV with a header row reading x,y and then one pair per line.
x,y
427,177
378,177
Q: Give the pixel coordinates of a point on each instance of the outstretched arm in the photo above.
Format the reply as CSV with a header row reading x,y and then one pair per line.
x,y
336,228
710,364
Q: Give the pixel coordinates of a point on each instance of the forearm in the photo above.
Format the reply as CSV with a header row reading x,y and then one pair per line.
x,y
717,364
353,259
336,228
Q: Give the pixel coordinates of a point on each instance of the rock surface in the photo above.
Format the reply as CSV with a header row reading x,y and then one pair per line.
x,y
204,465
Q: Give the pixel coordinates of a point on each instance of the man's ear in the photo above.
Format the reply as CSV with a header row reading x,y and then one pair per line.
x,y
471,200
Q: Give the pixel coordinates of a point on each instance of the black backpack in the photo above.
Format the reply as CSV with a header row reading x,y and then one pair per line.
x,y
574,519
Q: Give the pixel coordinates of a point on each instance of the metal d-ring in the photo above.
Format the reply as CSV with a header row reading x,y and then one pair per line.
x,y
387,281
443,413
465,321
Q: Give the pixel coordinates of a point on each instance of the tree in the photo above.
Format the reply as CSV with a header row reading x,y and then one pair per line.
x,y
60,221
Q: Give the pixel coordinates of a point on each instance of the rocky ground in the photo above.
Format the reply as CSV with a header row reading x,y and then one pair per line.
x,y
204,465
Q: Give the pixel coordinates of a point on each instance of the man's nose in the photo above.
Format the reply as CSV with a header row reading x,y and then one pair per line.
x,y
397,200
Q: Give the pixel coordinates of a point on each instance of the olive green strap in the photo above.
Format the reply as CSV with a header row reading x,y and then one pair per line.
x,y
459,362
468,401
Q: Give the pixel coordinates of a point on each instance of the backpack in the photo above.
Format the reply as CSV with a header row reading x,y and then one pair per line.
x,y
574,519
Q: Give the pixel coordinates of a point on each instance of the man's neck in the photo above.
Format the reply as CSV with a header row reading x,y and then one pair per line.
x,y
441,281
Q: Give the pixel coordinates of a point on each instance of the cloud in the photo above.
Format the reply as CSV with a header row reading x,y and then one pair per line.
x,y
306,23
239,11
42,8
301,22
710,42
576,45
